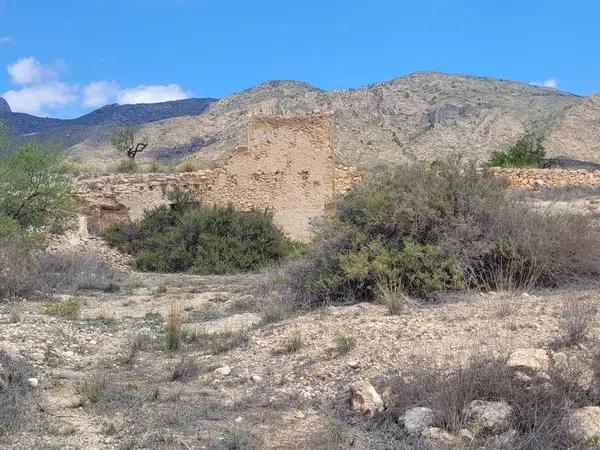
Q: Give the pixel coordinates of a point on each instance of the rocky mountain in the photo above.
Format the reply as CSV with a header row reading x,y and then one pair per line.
x,y
98,124
422,115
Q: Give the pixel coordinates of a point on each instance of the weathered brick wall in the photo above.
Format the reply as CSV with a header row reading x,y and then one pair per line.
x,y
288,167
548,178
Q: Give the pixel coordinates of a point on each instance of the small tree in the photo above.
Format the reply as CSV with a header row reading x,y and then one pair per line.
x,y
35,188
125,142
527,152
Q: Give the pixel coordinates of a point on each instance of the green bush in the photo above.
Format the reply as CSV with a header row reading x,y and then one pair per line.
x,y
527,152
201,240
430,228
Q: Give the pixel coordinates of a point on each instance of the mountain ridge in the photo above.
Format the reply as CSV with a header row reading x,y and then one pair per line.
x,y
423,115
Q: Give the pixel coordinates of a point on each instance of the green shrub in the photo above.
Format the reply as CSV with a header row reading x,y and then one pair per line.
x,y
527,152
429,228
201,240
127,166
68,309
35,188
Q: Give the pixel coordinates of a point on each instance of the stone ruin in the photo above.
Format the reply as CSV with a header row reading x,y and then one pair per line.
x,y
287,167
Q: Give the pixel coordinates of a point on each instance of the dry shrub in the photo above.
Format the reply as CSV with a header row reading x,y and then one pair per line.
x,y
74,271
576,320
539,410
390,294
15,401
27,270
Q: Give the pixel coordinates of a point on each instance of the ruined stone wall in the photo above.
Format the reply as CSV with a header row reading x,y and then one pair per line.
x,y
548,178
288,167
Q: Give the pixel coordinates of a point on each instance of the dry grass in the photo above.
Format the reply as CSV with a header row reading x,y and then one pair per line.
x,y
173,327
390,294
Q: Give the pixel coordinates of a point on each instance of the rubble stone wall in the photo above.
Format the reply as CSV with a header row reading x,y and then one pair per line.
x,y
288,168
548,178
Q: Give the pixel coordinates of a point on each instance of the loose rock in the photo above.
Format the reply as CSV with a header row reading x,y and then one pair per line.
x,y
489,416
529,363
417,419
223,370
584,424
365,399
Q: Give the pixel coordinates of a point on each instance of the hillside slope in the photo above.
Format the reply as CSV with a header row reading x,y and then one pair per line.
x,y
422,115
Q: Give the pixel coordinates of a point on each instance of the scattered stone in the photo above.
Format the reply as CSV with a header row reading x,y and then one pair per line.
x,y
353,364
365,399
504,441
488,416
256,379
466,435
584,424
223,370
529,363
238,419
417,419
441,436
234,323
33,382
299,415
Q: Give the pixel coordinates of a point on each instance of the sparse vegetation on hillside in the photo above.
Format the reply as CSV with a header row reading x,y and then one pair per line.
x,y
430,228
201,240
527,152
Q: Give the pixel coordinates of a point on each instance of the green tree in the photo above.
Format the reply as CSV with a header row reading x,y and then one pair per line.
x,y
35,188
125,142
527,152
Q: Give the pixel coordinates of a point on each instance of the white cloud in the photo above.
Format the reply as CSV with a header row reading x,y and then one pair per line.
x,y
36,99
41,89
549,83
152,94
31,71
5,40
100,93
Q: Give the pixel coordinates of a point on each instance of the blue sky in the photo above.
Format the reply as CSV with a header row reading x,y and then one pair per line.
x,y
66,57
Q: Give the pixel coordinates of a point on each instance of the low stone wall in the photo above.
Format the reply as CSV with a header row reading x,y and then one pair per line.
x,y
548,178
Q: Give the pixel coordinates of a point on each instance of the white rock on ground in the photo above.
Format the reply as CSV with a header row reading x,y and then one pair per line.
x,y
417,419
584,425
528,363
441,436
488,416
365,399
504,441
233,324
223,370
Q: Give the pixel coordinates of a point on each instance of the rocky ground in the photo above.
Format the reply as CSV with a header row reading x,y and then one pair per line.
x,y
105,380
99,374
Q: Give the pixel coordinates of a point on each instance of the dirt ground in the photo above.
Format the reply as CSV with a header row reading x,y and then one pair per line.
x,y
240,380
281,385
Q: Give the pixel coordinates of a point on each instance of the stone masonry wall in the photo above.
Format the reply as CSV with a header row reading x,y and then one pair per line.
x,y
288,167
548,178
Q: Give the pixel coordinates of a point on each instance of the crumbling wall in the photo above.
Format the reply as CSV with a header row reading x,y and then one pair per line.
x,y
548,178
288,167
